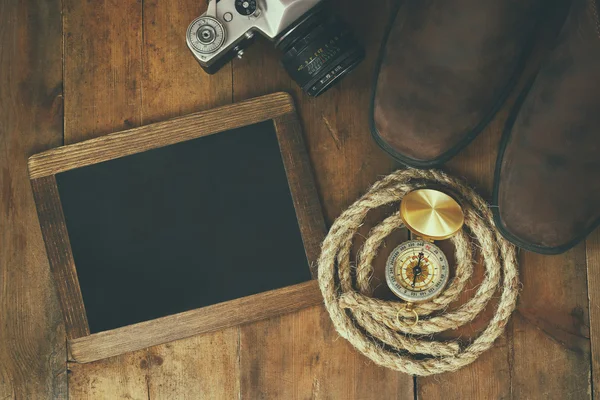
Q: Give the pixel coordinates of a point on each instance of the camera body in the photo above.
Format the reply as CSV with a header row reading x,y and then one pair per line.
x,y
270,20
318,48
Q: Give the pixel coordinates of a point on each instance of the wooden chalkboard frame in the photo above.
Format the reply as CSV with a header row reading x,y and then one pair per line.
x,y
86,347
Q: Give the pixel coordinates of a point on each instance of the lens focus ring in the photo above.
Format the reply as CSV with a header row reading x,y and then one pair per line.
x,y
319,51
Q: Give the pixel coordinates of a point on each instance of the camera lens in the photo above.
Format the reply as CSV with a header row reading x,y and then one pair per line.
x,y
318,50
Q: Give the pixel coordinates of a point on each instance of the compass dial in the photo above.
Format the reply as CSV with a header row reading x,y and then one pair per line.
x,y
417,270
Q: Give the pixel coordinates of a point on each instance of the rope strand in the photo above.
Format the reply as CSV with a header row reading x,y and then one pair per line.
x,y
388,332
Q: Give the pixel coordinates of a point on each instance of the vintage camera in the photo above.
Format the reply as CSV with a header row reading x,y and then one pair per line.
x,y
318,49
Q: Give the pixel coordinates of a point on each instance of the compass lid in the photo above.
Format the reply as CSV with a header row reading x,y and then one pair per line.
x,y
431,214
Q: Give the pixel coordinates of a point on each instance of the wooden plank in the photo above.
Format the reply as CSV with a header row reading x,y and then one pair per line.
x,y
123,377
550,349
301,355
551,356
476,164
32,336
489,377
302,187
332,135
593,280
58,248
160,134
204,366
526,362
173,83
102,75
102,67
201,367
178,326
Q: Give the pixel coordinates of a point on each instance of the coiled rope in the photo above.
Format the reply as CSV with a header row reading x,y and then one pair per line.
x,y
390,333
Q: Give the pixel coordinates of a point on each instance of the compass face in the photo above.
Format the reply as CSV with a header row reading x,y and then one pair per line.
x,y
417,270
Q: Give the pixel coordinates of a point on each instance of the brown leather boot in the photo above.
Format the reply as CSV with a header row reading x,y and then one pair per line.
x,y
548,172
445,68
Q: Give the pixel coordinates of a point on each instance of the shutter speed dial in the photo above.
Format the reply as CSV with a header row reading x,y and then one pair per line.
x,y
245,7
206,35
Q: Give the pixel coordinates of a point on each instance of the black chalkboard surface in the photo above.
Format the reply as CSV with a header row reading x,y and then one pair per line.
x,y
182,227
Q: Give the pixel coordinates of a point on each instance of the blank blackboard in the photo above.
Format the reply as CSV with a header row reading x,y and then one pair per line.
x,y
182,227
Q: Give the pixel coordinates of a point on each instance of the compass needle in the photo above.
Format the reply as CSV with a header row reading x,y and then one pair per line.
x,y
413,278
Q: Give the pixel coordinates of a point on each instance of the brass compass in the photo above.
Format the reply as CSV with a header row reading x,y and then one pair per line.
x,y
418,270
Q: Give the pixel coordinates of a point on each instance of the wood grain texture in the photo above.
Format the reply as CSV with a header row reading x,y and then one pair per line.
x,y
102,81
58,248
488,377
302,186
201,367
551,355
549,336
544,355
300,356
173,84
32,334
593,281
123,377
206,319
125,64
160,134
102,67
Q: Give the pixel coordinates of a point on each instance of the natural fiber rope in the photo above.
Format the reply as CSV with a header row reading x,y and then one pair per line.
x,y
387,331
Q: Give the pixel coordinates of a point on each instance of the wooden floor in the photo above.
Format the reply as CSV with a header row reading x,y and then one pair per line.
x,y
72,70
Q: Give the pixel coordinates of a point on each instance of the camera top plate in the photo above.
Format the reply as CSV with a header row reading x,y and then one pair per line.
x,y
271,18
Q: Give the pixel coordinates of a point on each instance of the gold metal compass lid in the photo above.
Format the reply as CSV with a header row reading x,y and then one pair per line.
x,y
431,214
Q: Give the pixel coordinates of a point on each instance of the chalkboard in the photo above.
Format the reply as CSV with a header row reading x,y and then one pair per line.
x,y
180,227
